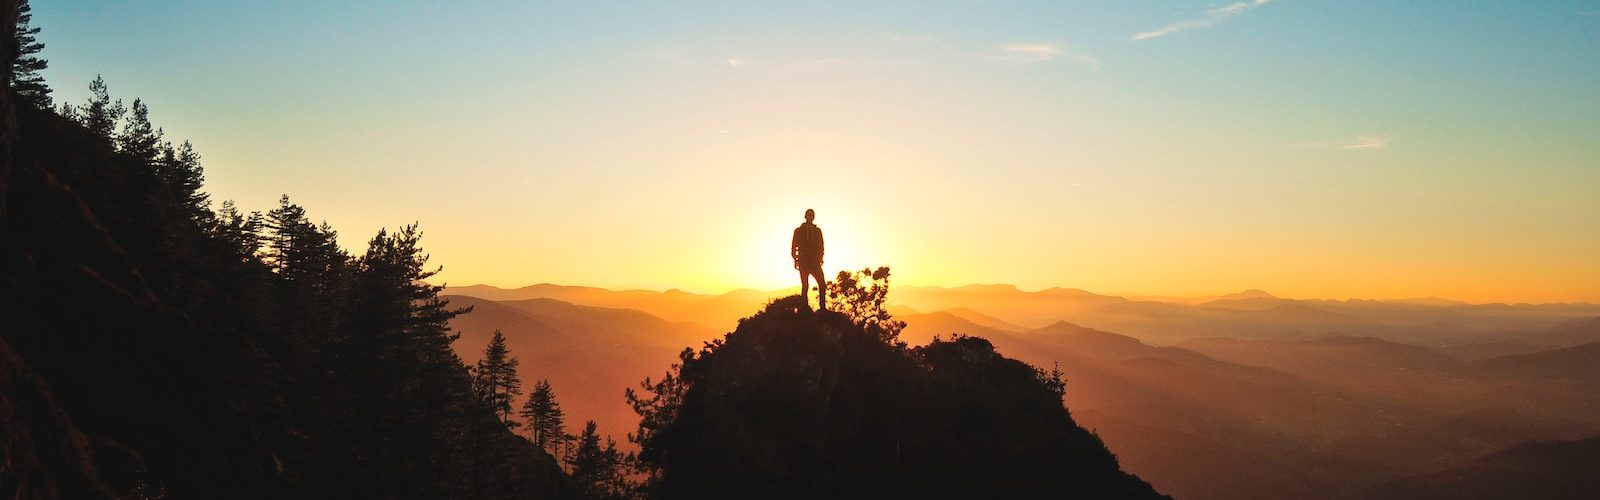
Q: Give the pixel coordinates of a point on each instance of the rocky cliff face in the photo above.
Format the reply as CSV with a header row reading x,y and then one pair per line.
x,y
801,404
41,453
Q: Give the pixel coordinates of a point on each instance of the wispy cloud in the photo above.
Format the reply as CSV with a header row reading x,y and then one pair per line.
x,y
1357,143
1211,17
737,62
1026,52
1039,52
1367,142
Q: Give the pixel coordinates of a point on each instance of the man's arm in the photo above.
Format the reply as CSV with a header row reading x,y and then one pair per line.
x,y
794,247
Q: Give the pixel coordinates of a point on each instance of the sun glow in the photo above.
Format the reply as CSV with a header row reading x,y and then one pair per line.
x,y
760,258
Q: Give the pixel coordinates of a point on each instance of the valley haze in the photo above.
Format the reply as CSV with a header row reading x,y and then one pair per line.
x,y
1303,398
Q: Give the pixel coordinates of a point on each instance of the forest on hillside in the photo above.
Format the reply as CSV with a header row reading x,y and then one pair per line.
x,y
192,348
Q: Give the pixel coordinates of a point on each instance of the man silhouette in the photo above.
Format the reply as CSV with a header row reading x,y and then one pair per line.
x,y
806,249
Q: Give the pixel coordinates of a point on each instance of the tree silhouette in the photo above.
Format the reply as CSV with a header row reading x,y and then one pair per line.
x,y
861,297
239,234
139,139
99,114
596,468
412,388
184,176
298,250
546,421
25,77
495,379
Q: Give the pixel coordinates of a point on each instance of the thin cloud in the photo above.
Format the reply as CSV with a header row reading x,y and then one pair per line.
x,y
1039,52
1211,17
737,62
1367,142
1357,143
1027,52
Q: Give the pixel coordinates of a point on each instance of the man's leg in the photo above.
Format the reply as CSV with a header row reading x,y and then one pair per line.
x,y
822,288
805,288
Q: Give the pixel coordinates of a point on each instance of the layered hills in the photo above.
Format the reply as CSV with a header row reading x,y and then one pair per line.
x,y
1476,330
1292,412
1553,470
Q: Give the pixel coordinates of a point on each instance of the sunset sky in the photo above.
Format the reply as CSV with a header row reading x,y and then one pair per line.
x,y
1329,149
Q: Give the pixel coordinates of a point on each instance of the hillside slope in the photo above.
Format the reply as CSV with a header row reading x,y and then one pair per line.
x,y
589,354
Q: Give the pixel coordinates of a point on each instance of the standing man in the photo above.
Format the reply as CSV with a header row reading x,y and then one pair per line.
x,y
806,248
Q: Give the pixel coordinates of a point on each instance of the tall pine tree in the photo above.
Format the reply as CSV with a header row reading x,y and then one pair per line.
x,y
25,77
412,390
597,469
186,178
239,233
99,114
496,381
139,139
546,421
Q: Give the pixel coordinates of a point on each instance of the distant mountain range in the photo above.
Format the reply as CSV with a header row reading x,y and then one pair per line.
x,y
1297,398
1313,418
1480,330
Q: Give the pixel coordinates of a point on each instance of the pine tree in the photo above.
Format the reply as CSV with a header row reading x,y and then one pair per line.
x,y
596,468
298,250
25,77
414,396
139,139
546,421
186,178
240,233
100,114
180,170
286,226
496,379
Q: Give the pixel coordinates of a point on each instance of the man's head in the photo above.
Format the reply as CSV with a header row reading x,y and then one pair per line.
x,y
810,214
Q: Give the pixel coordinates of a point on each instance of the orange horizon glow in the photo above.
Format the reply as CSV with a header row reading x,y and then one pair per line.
x,y
1131,295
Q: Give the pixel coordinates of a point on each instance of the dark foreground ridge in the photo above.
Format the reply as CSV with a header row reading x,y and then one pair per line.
x,y
796,404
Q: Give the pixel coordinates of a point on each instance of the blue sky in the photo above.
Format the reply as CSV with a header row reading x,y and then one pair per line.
x,y
1320,148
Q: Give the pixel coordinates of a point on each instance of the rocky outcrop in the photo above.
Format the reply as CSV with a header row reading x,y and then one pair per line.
x,y
796,404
